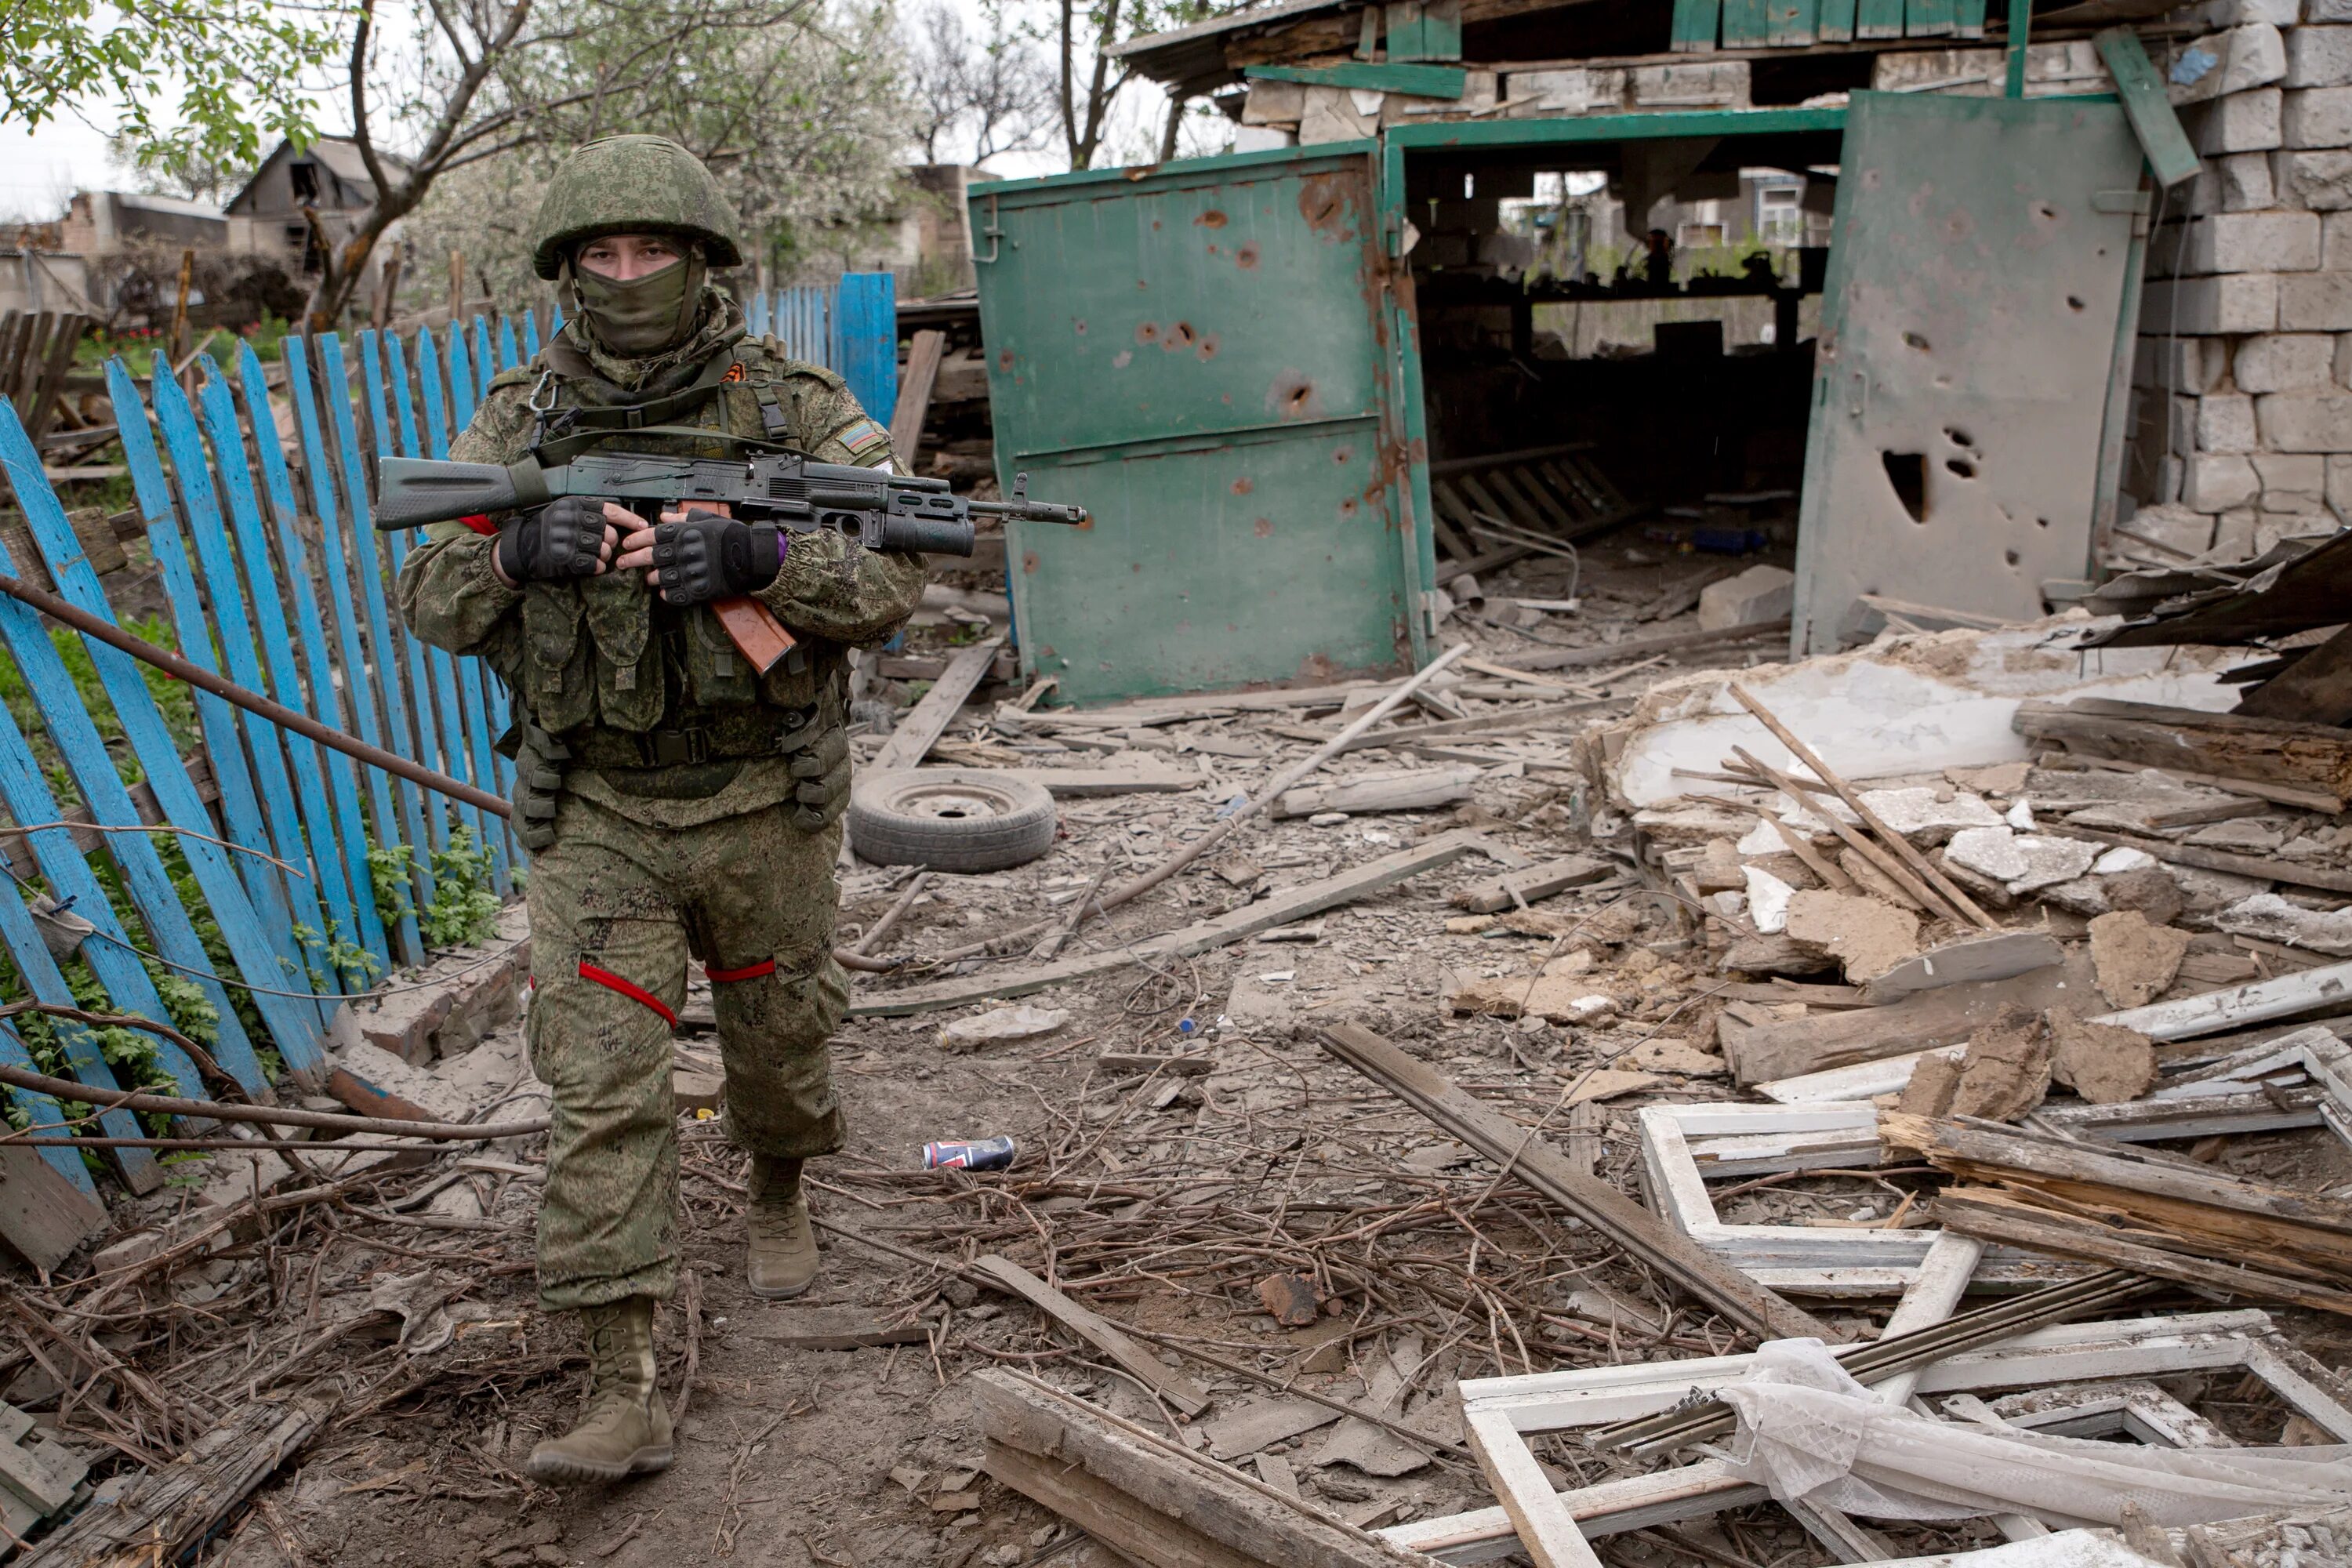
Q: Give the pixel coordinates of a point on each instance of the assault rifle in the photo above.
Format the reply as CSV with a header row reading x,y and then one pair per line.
x,y
881,511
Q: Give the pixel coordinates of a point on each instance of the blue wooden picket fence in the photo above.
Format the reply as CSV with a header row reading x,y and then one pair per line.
x,y
274,576
850,325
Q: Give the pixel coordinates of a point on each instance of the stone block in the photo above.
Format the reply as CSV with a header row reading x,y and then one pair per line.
x,y
2328,11
2216,481
2291,481
2253,242
2314,302
2233,534
1722,84
2239,60
2176,526
2283,362
1759,594
2306,421
2231,303
2339,484
2317,117
2342,375
2225,423
2321,180
2212,15
2241,182
2179,364
2318,57
2241,122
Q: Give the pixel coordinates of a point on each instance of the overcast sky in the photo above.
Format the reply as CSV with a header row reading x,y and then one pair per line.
x,y
40,169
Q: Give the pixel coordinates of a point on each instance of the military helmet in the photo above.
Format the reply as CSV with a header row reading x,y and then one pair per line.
x,y
633,184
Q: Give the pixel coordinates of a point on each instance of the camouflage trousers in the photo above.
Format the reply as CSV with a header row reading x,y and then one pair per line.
x,y
616,908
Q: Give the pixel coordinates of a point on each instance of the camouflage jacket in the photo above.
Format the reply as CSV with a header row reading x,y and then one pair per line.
x,y
604,653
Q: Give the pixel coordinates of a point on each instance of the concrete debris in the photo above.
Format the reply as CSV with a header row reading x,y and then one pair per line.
x,y
1866,937
1997,956
999,1024
1754,597
1929,815
2135,961
2269,917
1767,900
2019,862
2104,1063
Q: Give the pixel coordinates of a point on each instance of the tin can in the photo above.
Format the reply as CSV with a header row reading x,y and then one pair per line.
x,y
973,1155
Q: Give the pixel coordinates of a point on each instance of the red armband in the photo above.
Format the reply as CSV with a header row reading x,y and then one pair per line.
x,y
480,523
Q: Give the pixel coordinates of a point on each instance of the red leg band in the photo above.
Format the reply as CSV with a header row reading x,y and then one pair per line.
x,y
634,993
750,972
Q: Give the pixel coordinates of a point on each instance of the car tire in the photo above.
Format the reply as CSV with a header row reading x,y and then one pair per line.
x,y
950,819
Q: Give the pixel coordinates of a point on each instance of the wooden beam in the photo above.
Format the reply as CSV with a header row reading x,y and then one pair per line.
x,y
2147,106
1281,908
1642,647
1140,1484
916,733
1523,1154
2257,868
42,1217
923,356
1098,1331
2314,757
1526,886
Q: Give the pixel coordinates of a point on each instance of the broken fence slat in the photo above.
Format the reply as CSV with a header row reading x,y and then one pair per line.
x,y
1282,908
1536,1162
168,1511
1532,883
1098,1331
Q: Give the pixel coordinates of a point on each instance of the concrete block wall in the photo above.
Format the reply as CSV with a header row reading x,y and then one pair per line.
x,y
2242,390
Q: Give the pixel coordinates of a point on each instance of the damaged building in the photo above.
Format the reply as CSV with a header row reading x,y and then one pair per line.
x,y
1967,312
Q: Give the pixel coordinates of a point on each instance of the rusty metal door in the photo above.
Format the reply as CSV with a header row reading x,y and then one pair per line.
x,y
1981,264
1197,355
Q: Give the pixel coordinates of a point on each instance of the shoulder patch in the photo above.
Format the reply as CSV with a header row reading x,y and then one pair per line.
x,y
864,439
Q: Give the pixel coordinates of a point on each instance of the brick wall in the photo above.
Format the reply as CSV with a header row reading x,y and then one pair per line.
x,y
2242,396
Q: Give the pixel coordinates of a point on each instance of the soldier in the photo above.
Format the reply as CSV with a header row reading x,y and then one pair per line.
x,y
674,799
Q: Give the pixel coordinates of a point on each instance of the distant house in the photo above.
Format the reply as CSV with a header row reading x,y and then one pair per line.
x,y
270,217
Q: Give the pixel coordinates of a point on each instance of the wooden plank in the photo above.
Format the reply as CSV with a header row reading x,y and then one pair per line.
x,y
1695,24
1833,21
1640,647
1929,18
2258,868
1790,22
300,583
349,633
2147,106
1117,1522
23,366
1746,24
2284,997
1945,1017
1085,783
1167,1484
916,733
2316,757
1969,19
470,737
1411,789
425,734
867,337
261,810
831,1329
1283,907
385,684
1485,724
1878,19
1536,1162
436,682
1546,1531
67,717
44,1214
1533,882
1098,1331
59,361
40,1110
166,1512
324,900
923,356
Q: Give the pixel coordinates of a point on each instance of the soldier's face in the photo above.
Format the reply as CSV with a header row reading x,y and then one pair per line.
x,y
624,258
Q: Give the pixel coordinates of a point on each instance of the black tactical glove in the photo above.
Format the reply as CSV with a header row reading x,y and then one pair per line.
x,y
539,773
565,538
712,557
822,791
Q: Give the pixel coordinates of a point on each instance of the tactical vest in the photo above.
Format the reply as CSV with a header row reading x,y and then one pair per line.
x,y
632,682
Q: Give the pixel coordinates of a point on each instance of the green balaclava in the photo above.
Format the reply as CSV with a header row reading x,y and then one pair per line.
x,y
645,315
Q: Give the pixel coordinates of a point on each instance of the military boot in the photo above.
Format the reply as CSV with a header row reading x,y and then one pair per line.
x,y
625,1429
783,1248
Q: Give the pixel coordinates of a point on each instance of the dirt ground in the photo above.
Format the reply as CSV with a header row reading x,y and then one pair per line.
x,y
1187,1147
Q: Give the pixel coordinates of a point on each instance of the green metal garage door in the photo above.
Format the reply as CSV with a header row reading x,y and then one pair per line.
x,y
1197,355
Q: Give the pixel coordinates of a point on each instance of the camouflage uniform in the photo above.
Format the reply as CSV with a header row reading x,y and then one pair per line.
x,y
666,843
